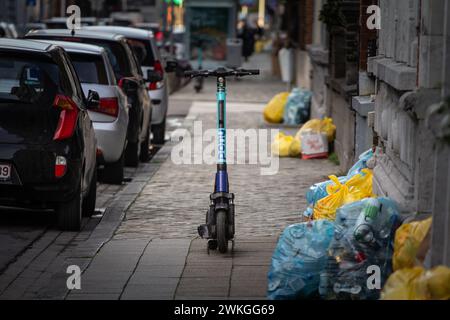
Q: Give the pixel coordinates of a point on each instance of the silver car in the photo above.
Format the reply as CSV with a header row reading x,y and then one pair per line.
x,y
110,120
143,43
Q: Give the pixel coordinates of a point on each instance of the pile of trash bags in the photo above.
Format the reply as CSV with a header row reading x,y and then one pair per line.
x,y
311,141
349,236
291,108
355,245
334,259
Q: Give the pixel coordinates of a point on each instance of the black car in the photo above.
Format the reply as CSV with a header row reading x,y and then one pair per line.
x,y
131,80
47,141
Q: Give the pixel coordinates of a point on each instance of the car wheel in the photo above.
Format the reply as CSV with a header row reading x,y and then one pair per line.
x,y
145,147
113,173
69,213
91,197
159,132
132,154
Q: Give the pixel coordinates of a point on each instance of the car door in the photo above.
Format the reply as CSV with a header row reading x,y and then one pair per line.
x,y
88,134
142,90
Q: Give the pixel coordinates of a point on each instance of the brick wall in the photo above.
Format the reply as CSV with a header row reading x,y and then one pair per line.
x,y
367,38
306,16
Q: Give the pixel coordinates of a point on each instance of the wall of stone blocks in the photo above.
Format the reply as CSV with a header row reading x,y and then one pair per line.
x,y
344,117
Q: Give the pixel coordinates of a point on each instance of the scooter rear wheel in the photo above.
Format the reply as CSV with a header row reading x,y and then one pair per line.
x,y
221,227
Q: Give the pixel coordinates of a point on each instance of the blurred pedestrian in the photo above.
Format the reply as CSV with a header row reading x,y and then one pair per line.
x,y
247,34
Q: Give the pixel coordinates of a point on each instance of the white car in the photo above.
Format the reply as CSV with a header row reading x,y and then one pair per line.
x,y
143,43
110,120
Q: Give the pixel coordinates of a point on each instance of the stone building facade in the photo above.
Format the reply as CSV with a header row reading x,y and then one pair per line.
x,y
390,88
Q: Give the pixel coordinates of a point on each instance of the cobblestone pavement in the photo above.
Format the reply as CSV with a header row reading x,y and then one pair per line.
x,y
145,245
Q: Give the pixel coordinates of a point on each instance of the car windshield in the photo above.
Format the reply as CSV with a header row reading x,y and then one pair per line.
x,y
143,51
90,68
115,51
28,80
117,56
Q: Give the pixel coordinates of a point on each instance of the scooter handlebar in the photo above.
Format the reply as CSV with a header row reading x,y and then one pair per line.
x,y
221,72
251,72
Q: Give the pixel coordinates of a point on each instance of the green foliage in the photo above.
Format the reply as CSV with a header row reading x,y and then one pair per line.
x,y
331,14
334,158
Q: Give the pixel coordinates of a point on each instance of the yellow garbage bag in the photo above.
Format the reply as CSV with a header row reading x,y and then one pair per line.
x,y
285,146
438,283
357,188
328,127
407,242
326,208
359,183
418,284
274,110
259,46
318,126
400,285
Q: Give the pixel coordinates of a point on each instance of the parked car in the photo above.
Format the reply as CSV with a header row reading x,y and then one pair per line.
x,y
154,27
110,119
61,22
47,141
34,26
143,44
7,30
56,23
13,30
130,80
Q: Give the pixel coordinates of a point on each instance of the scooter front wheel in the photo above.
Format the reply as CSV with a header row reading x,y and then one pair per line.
x,y
221,230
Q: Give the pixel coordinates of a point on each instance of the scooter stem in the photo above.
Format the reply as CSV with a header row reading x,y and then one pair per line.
x,y
221,175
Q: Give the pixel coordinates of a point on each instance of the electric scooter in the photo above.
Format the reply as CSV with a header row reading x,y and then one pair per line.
x,y
220,227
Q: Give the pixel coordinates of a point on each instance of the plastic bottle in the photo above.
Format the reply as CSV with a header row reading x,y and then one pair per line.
x,y
365,227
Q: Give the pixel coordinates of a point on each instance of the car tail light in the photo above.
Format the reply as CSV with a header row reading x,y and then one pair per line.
x,y
120,83
109,106
60,167
159,36
159,69
67,118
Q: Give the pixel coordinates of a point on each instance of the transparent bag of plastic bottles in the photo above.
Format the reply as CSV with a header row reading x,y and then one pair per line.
x,y
299,258
297,108
362,241
361,163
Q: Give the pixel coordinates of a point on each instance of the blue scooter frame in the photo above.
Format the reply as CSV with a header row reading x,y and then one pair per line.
x,y
220,223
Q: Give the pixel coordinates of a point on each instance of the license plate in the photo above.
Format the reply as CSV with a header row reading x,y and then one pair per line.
x,y
5,171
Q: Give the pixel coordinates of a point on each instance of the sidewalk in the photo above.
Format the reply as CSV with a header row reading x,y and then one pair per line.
x,y
145,245
155,253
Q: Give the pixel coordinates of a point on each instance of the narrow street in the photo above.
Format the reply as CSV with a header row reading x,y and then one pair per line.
x,y
143,244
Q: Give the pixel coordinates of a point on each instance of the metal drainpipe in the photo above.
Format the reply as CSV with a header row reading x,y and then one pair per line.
x,y
446,63
419,30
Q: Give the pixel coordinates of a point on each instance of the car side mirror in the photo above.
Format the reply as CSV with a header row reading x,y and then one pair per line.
x,y
128,85
153,76
93,100
171,65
